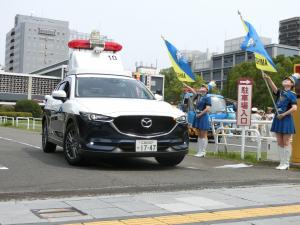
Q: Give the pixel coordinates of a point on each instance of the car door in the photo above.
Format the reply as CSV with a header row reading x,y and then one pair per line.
x,y
55,120
61,114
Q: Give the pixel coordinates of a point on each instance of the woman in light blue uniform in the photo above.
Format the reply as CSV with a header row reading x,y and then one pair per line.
x,y
283,124
201,121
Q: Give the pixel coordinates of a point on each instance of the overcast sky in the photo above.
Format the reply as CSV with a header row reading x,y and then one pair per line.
x,y
138,25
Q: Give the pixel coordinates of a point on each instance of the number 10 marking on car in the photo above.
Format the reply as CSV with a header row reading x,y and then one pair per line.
x,y
112,57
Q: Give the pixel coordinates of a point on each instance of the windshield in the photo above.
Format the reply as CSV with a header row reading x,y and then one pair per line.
x,y
217,105
103,87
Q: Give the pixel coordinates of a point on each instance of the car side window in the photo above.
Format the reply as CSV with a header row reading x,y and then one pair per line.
x,y
57,87
66,88
62,86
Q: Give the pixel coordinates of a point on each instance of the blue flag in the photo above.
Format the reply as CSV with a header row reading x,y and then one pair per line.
x,y
252,43
180,64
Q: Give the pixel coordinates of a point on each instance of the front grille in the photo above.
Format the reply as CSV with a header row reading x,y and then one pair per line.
x,y
133,125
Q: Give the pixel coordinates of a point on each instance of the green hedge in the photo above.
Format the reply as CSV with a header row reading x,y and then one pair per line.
x,y
16,114
29,106
7,108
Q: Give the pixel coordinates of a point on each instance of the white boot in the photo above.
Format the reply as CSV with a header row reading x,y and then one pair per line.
x,y
287,156
201,144
205,146
281,157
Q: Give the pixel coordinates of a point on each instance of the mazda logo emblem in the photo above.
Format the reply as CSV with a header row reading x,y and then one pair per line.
x,y
146,122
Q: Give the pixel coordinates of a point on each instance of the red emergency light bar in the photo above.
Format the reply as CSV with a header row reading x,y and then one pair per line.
x,y
86,44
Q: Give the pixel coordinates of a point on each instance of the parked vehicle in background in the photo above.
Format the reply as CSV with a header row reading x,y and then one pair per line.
x,y
218,111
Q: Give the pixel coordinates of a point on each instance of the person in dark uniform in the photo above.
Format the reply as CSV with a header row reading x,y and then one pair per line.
x,y
201,121
283,124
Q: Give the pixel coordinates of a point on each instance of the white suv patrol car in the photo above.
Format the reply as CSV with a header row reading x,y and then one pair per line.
x,y
100,109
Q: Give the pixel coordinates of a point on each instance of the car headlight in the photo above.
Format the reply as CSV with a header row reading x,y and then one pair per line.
x,y
95,117
181,119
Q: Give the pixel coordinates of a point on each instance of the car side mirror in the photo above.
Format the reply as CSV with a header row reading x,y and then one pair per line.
x,y
158,97
59,95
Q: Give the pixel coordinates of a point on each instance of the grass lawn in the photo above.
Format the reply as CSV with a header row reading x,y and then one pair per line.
x,y
23,125
250,157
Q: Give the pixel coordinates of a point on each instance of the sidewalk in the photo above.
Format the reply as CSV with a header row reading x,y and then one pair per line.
x,y
115,207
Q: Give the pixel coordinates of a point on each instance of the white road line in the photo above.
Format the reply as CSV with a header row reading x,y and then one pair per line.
x,y
191,168
19,142
3,167
234,166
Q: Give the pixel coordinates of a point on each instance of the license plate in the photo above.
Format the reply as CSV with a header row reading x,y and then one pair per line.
x,y
146,145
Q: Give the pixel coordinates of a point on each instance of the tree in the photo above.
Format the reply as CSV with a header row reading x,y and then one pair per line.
x,y
174,87
28,106
261,97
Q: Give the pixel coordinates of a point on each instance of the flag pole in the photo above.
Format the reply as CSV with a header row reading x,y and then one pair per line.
x,y
262,74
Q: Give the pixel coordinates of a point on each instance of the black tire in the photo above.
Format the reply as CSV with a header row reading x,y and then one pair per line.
x,y
169,160
71,146
47,146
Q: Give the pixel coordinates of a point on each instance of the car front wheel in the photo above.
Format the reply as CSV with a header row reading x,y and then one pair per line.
x,y
47,146
71,146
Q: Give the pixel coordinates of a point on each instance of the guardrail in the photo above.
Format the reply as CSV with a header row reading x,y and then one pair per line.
x,y
23,118
30,122
220,132
34,122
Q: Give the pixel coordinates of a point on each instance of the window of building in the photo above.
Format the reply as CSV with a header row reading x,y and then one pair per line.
x,y
217,62
287,52
219,84
239,58
217,75
225,74
250,56
206,76
228,61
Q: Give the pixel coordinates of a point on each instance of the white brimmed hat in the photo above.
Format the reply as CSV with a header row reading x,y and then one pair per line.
x,y
254,109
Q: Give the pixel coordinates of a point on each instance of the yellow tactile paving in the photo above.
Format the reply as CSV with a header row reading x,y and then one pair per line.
x,y
176,219
146,221
205,216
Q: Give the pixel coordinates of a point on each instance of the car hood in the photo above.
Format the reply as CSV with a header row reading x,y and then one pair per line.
x,y
116,107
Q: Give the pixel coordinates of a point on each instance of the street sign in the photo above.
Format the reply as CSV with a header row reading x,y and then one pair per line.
x,y
244,104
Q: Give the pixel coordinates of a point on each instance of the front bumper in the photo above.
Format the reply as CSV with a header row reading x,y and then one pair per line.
x,y
104,139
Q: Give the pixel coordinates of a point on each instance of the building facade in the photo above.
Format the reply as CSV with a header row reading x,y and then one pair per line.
x,y
34,43
17,86
289,32
197,59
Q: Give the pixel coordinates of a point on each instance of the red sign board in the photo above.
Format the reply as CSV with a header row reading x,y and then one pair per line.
x,y
244,104
297,68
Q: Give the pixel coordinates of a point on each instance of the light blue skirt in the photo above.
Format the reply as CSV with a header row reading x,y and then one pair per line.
x,y
202,123
283,126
